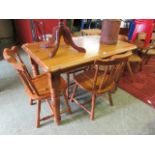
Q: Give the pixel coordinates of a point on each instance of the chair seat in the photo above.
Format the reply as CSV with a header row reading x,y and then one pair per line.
x,y
141,44
135,58
150,52
41,83
85,81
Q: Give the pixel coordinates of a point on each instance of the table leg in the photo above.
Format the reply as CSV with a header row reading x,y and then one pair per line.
x,y
55,97
35,68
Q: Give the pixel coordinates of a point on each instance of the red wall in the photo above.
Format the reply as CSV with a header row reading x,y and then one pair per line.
x,y
23,28
49,24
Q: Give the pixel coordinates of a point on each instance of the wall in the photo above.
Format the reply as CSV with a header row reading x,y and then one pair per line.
x,y
6,35
23,28
6,28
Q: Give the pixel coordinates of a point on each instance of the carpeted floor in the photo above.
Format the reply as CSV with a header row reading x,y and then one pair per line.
x,y
128,115
144,85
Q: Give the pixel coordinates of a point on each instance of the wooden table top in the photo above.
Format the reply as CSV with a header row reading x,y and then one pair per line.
x,y
67,57
91,31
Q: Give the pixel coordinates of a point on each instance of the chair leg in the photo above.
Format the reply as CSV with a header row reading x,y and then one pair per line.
x,y
66,102
147,60
92,107
130,71
110,99
140,66
68,83
74,91
50,106
38,113
31,102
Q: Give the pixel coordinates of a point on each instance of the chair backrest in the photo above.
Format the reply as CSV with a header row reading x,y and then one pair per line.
x,y
123,38
39,31
142,36
113,69
12,57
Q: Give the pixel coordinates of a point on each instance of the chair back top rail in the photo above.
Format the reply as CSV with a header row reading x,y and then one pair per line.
x,y
113,69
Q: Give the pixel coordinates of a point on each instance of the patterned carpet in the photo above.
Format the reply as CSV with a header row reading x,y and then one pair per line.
x,y
144,86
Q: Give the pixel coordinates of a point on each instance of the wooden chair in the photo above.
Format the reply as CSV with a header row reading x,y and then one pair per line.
x,y
134,58
99,81
149,51
38,88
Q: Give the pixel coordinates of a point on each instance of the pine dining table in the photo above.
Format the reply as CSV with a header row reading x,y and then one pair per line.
x,y
68,59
